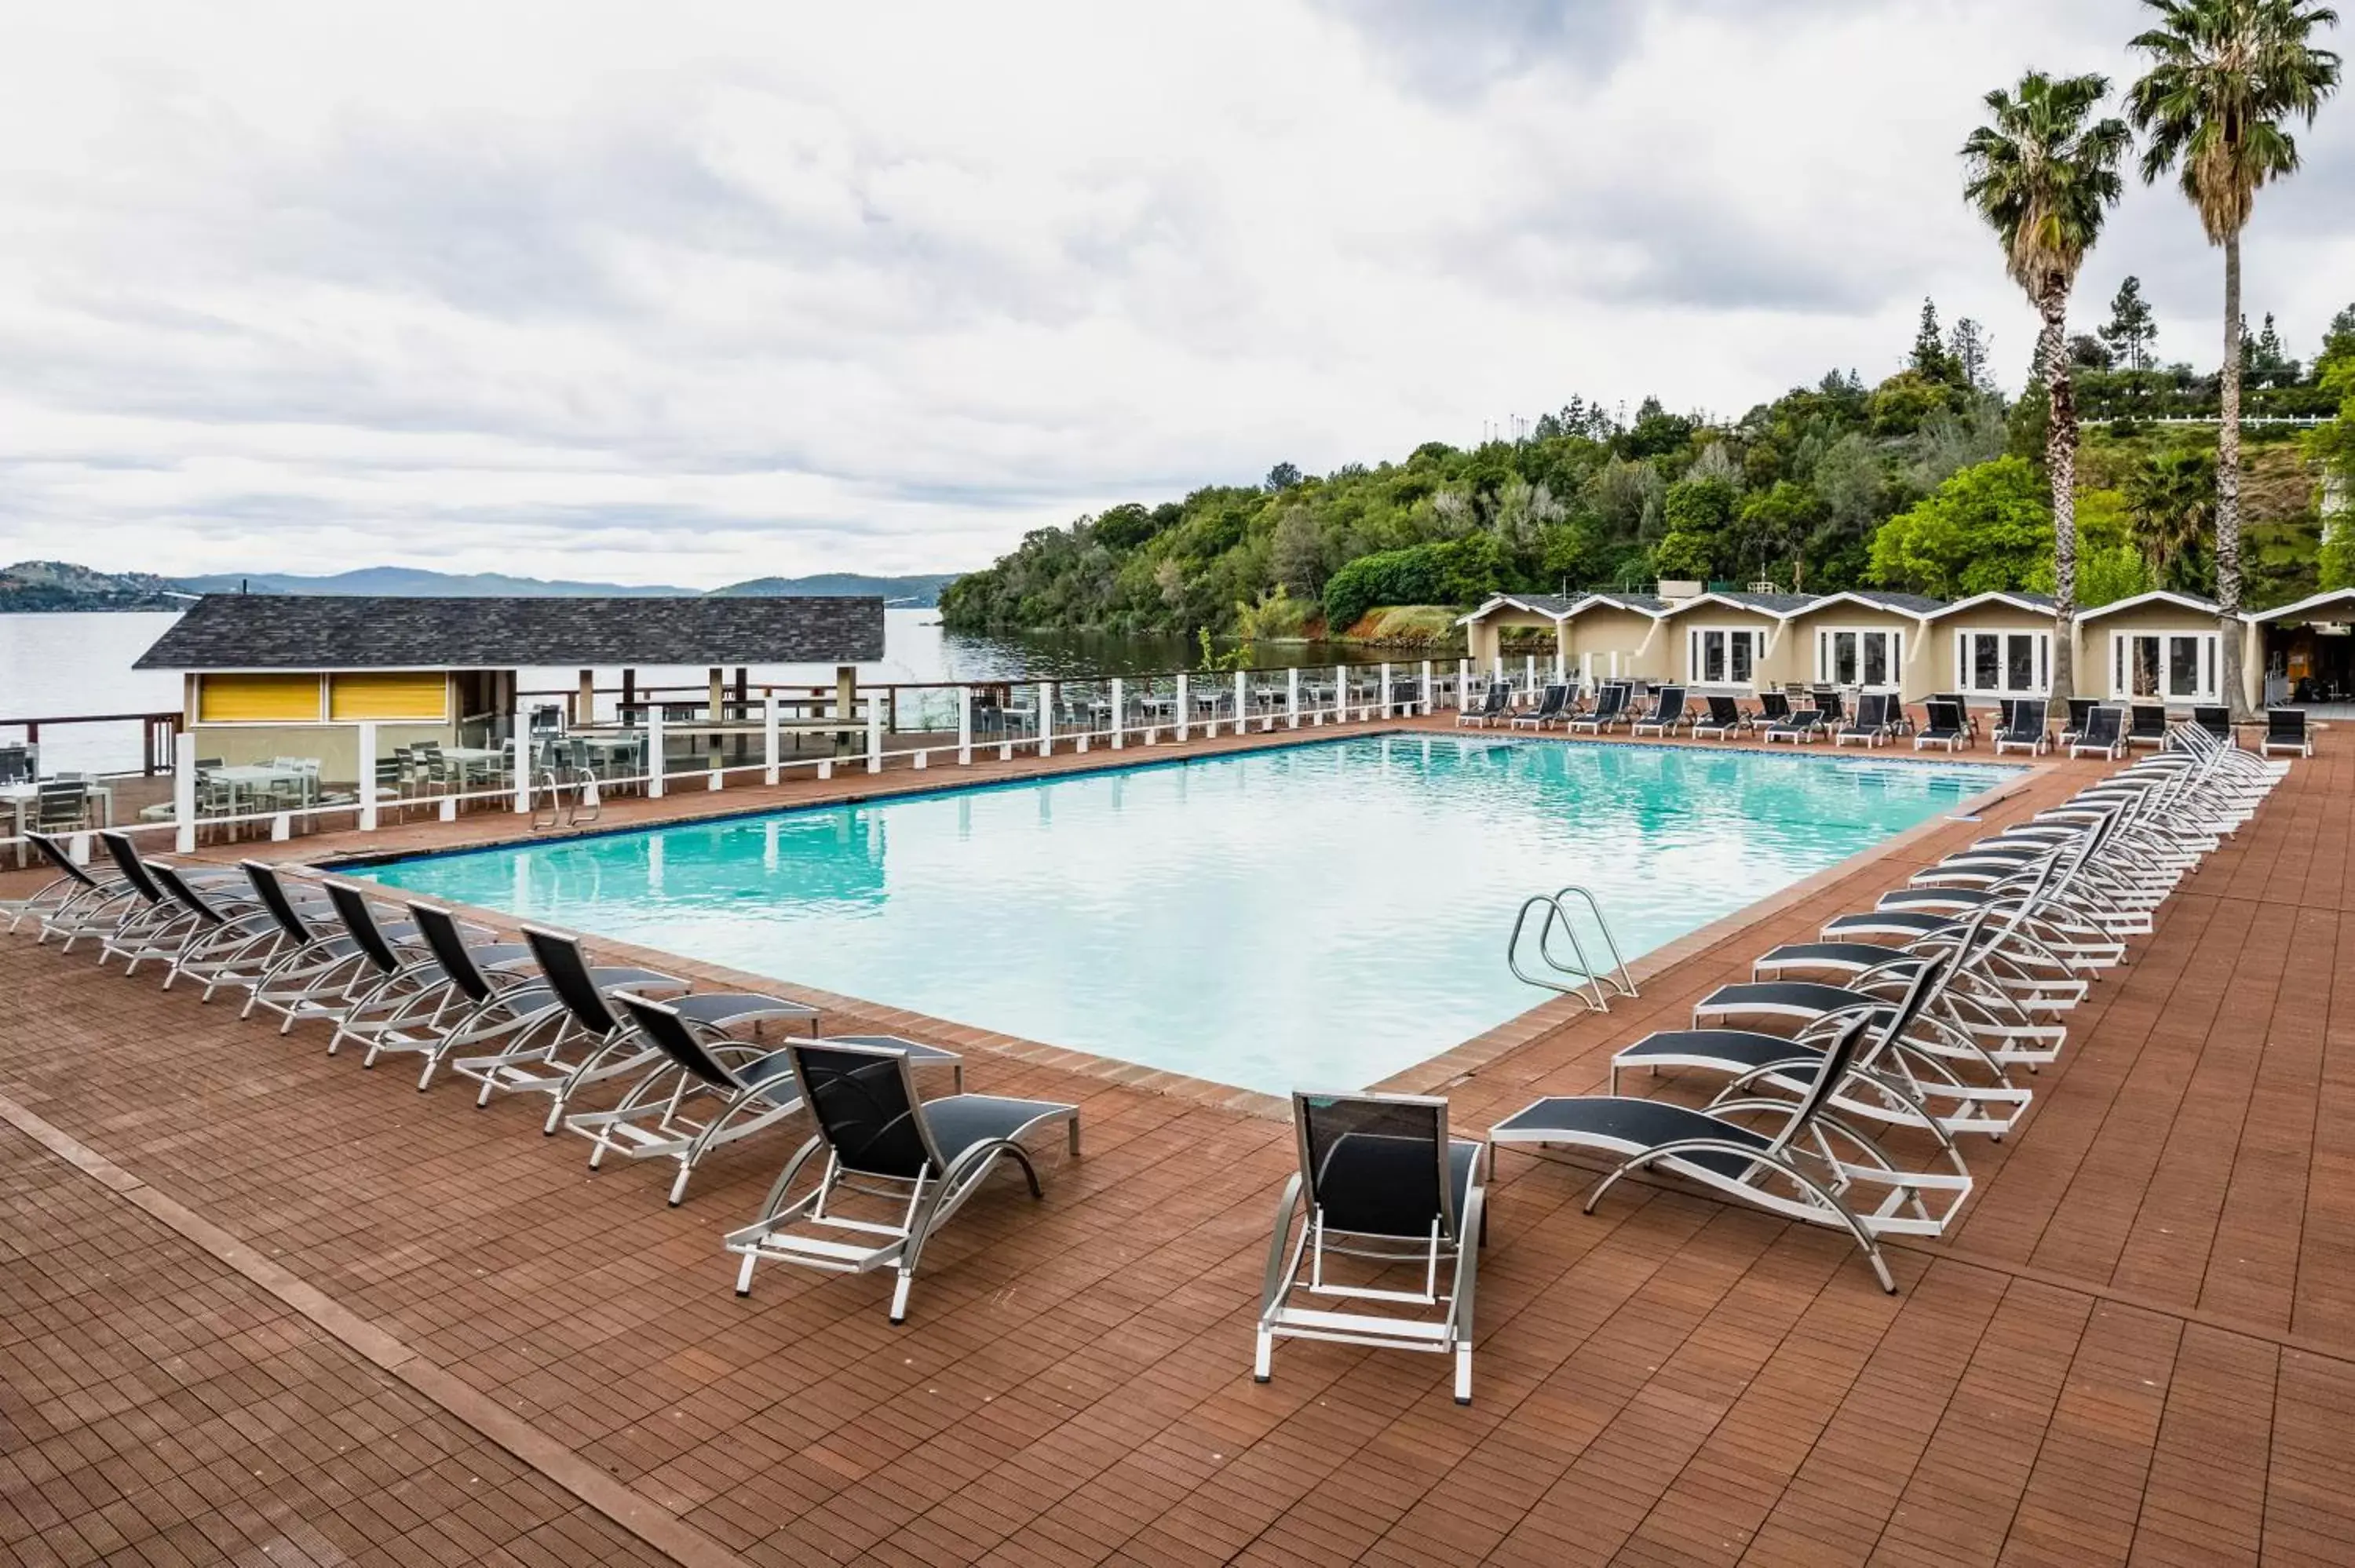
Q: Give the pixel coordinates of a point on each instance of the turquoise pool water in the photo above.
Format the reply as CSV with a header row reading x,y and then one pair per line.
x,y
1320,915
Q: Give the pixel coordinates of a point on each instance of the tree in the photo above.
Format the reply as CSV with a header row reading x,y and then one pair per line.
x,y
1930,359
2132,330
2044,176
2170,507
2087,352
1282,476
1987,528
2226,77
1297,555
1970,348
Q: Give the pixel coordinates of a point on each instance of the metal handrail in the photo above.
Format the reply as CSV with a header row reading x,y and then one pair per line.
x,y
1594,986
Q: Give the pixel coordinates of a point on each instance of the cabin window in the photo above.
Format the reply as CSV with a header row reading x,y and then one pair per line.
x,y
1721,655
257,697
1867,657
417,696
2163,666
2004,663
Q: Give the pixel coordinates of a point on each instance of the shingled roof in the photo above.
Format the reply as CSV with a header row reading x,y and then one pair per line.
x,y
321,631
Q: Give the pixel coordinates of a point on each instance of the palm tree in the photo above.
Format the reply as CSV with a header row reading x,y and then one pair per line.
x,y
2044,179
2170,507
2226,75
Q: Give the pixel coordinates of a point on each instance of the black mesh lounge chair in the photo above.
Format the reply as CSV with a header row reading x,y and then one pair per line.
x,y
1970,720
487,995
395,976
1550,709
1943,726
1774,706
229,936
319,967
1873,725
2216,722
2080,709
1798,726
2021,726
2286,731
1386,1188
1827,701
151,924
1810,1167
1492,706
1725,718
2146,724
713,1090
922,1157
1610,708
2102,733
74,903
585,1043
1668,714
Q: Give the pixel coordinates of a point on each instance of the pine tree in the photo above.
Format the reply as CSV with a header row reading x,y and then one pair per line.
x,y
1970,348
2133,329
1930,359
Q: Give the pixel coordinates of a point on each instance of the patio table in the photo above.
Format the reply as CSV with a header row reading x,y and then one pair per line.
x,y
22,802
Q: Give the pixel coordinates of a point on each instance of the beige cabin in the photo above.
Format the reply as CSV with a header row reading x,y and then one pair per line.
x,y
1991,647
2304,653
1866,639
1731,642
2153,647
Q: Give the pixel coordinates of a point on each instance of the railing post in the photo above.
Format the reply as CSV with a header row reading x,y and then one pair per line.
x,y
965,726
1426,688
1242,702
1462,683
1046,718
653,747
522,723
1385,689
184,792
367,776
769,736
874,733
1528,673
1292,696
1119,713
1185,707
1341,693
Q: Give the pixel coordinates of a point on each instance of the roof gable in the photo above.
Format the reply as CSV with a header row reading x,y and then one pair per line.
x,y
2156,596
2032,603
324,631
2339,597
1913,604
1773,606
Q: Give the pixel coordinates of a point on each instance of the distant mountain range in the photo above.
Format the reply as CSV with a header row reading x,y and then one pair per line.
x,y
59,585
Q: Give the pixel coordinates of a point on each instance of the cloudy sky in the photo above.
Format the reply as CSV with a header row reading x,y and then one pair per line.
x,y
697,292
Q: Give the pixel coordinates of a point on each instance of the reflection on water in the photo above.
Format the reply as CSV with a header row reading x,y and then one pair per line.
x,y
1317,916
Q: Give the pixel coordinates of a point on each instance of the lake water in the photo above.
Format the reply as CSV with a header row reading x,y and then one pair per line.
x,y
80,663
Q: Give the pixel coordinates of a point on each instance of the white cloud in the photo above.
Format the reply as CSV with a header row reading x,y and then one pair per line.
x,y
705,291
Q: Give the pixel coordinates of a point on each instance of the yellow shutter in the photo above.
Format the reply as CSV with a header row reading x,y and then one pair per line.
x,y
406,694
258,699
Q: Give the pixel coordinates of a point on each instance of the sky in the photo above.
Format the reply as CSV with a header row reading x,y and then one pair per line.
x,y
701,291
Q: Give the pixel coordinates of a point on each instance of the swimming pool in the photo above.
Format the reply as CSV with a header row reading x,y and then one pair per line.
x,y
1318,915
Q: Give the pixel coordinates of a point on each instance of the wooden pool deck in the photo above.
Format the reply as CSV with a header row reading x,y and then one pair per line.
x,y
260,1306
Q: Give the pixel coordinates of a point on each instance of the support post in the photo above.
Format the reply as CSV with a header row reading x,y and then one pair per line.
x,y
586,714
1185,707
184,792
1462,683
1046,718
1341,693
769,736
1119,713
653,751
1292,696
874,732
965,726
1529,674
367,776
522,754
1426,688
1384,689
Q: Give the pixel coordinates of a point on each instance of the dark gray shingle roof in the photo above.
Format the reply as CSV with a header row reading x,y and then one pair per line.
x,y
1772,603
1911,603
1650,604
320,631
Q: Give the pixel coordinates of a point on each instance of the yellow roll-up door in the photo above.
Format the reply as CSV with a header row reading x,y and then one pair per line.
x,y
272,698
417,695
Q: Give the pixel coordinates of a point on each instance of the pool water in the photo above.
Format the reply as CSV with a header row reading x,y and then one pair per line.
x,y
1316,916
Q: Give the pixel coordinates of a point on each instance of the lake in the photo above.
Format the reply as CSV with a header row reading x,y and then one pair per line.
x,y
56,665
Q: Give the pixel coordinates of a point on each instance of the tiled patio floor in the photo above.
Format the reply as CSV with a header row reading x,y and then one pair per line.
x,y
264,1307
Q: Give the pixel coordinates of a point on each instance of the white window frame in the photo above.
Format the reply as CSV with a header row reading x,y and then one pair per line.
x,y
1964,665
1826,664
1696,665
2209,660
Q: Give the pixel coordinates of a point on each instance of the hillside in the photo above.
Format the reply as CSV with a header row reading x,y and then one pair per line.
x,y
58,584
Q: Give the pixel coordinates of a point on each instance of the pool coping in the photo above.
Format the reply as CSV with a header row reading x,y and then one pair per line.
x,y
1431,1074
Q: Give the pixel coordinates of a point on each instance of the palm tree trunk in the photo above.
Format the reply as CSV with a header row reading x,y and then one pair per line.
x,y
2228,490
2060,463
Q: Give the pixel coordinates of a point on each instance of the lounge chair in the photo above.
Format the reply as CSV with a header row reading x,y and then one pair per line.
x,y
1873,724
2102,733
1385,1187
873,1130
1827,701
1970,720
1725,718
1492,707
1797,726
1668,714
2081,710
1550,709
487,994
2022,725
713,1090
2146,724
1773,704
1817,1163
1610,708
1944,725
150,923
2286,731
319,967
582,1043
2216,722
72,903
233,937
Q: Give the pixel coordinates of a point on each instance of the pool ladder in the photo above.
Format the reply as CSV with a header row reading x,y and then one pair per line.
x,y
1578,977
547,807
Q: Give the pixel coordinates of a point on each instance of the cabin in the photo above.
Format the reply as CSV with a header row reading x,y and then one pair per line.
x,y
1991,647
1732,642
2152,647
2302,654
1866,639
272,675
